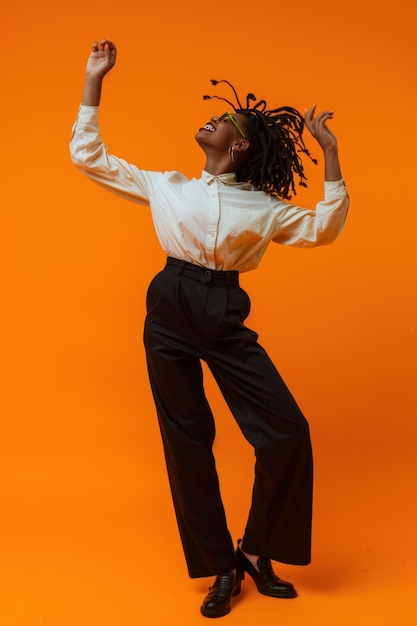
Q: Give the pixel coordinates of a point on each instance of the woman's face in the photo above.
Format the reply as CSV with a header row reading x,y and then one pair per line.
x,y
220,133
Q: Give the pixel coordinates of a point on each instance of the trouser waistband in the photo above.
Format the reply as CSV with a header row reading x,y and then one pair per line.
x,y
203,274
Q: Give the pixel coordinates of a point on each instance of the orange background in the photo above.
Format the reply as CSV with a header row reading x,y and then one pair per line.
x,y
86,518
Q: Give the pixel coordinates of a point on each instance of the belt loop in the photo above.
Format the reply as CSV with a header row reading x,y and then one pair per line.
x,y
178,265
182,267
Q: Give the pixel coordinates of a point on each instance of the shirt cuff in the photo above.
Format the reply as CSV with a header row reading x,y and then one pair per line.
x,y
333,188
87,112
88,107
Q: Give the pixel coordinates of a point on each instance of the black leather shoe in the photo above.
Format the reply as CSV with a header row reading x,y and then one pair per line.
x,y
265,579
217,601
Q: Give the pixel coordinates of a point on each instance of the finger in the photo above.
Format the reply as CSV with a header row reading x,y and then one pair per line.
x,y
109,50
324,116
309,113
110,53
110,43
309,119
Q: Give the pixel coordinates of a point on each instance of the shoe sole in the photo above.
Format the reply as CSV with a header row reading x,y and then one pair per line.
x,y
215,614
287,596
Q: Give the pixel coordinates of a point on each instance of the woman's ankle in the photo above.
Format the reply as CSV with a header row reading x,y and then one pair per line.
x,y
252,558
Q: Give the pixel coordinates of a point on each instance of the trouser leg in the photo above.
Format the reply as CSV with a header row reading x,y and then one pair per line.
x,y
188,431
279,522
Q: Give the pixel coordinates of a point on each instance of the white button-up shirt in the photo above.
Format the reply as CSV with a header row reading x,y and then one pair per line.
x,y
212,221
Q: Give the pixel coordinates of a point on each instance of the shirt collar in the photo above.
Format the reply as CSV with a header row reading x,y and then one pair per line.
x,y
228,179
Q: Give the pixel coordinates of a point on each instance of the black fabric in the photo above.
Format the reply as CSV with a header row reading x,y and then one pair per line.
x,y
197,314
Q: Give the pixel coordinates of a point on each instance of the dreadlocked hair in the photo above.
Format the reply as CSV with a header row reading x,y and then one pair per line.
x,y
275,138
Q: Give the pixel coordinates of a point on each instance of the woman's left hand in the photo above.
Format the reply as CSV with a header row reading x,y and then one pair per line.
x,y
318,128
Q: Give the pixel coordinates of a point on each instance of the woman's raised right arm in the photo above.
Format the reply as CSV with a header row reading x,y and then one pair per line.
x,y
88,151
101,60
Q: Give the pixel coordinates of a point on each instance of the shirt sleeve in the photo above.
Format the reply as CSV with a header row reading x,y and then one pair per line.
x,y
90,155
306,228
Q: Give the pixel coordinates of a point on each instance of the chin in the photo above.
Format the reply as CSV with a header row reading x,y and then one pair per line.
x,y
200,139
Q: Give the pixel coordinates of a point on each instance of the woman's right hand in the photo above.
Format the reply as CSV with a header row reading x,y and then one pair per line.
x,y
101,59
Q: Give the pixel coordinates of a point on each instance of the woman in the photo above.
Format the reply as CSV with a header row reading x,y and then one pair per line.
x,y
212,228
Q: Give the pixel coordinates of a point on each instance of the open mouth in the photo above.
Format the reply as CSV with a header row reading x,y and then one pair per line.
x,y
209,126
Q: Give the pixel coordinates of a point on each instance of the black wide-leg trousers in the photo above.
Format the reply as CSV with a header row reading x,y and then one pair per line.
x,y
195,314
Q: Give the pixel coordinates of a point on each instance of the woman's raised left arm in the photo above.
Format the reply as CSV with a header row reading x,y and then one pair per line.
x,y
327,141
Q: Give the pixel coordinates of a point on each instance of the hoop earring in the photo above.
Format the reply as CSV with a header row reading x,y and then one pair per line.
x,y
232,153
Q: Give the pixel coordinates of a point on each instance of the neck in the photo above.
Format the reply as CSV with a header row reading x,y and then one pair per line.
x,y
218,166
